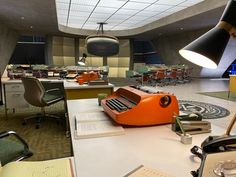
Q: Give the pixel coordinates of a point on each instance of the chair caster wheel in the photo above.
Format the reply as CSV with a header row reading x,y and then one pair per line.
x,y
37,126
24,123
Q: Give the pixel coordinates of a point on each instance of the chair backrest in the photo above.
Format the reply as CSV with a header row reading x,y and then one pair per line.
x,y
34,91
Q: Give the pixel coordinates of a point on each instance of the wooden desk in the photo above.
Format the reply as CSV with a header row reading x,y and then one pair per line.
x,y
156,147
232,84
75,91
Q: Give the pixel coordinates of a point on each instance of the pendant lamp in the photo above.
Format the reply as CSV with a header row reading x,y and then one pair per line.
x,y
208,49
101,44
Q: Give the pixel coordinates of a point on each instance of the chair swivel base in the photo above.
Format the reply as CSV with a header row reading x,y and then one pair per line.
x,y
40,117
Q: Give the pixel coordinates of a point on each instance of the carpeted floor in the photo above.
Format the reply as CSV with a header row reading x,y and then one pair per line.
x,y
49,141
221,95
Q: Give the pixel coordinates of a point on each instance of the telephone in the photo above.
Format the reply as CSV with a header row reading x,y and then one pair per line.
x,y
215,144
219,144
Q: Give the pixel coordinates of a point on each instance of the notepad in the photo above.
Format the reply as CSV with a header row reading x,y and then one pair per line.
x,y
143,171
96,124
49,168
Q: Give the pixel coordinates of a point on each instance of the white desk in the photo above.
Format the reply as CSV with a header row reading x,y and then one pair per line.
x,y
75,91
156,147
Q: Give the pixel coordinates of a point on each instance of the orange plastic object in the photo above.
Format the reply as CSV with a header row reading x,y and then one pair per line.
x,y
88,76
143,108
81,81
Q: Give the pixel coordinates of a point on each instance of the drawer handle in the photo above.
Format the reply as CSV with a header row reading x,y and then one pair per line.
x,y
17,86
16,94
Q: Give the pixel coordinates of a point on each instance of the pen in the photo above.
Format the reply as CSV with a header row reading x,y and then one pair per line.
x,y
180,126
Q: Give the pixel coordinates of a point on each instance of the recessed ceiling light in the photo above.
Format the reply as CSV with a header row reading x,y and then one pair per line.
x,y
31,27
181,28
22,18
82,12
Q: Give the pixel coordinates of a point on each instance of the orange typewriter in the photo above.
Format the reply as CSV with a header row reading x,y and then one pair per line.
x,y
141,106
88,76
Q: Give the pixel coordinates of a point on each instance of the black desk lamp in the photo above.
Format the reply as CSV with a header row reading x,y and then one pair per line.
x,y
81,61
207,50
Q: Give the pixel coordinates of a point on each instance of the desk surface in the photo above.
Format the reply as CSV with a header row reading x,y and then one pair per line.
x,y
15,81
75,85
156,147
68,84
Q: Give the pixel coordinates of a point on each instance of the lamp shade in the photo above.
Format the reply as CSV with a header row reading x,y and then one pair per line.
x,y
102,45
80,63
208,49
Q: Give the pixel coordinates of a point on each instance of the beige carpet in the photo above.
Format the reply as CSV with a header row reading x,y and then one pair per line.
x,y
221,95
49,141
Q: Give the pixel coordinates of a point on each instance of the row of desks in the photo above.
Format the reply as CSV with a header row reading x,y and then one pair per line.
x,y
72,88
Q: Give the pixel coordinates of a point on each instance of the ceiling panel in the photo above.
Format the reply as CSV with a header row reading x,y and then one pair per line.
x,y
102,16
81,8
108,10
84,2
158,7
62,12
63,6
119,14
114,3
172,2
146,1
127,12
135,5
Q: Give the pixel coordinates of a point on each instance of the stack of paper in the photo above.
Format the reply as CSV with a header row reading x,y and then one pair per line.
x,y
95,124
49,168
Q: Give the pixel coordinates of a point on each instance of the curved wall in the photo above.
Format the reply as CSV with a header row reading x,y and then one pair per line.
x,y
168,47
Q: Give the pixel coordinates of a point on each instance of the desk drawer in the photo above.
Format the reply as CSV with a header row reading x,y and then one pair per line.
x,y
14,87
16,100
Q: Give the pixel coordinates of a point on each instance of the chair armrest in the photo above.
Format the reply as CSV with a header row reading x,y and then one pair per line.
x,y
8,133
52,90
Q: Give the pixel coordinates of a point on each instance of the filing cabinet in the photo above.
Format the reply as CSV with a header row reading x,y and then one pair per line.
x,y
14,96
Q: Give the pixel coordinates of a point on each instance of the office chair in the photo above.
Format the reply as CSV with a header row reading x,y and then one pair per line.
x,y
36,95
13,147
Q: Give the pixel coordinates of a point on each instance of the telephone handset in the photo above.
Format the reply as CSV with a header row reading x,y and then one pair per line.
x,y
219,144
214,144
225,142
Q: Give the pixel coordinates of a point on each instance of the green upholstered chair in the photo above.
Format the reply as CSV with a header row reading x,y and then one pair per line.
x,y
13,147
36,95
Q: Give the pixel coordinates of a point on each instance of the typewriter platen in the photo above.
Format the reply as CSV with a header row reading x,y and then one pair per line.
x,y
141,106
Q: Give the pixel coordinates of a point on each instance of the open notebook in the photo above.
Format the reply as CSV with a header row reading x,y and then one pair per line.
x,y
95,124
49,168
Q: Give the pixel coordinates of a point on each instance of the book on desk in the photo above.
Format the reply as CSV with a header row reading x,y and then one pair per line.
x,y
49,168
95,124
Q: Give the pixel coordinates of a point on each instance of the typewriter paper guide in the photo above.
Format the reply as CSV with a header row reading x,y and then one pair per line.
x,y
140,107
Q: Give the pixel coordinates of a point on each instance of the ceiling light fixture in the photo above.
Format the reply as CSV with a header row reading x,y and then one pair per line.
x,y
208,49
101,44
